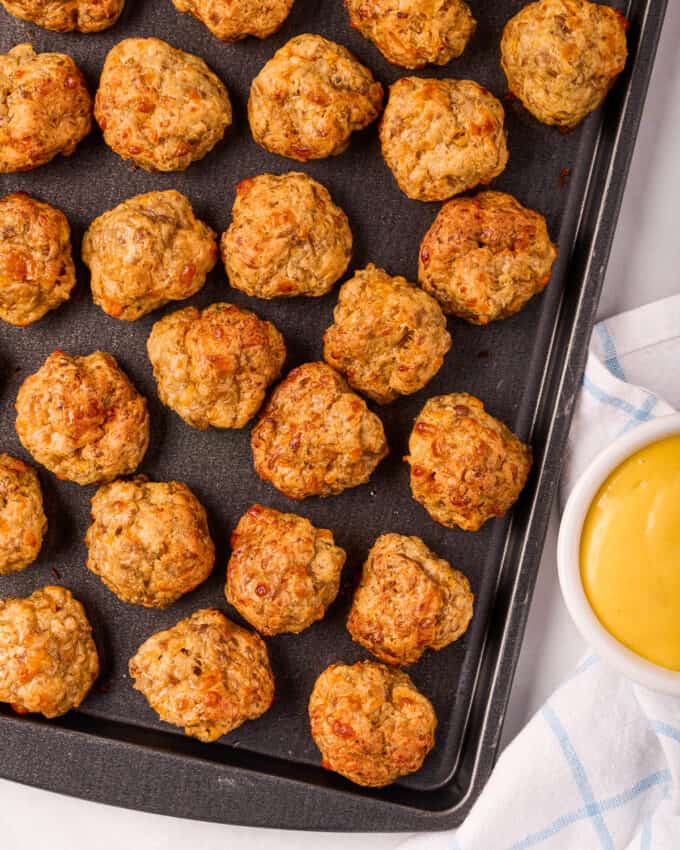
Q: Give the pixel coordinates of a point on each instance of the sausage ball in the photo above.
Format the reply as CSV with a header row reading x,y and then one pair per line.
x,y
159,106
483,258
561,57
388,338
45,108
22,518
283,572
36,267
67,15
149,541
315,437
370,722
147,251
413,33
310,97
205,674
213,366
48,660
442,137
409,600
82,419
466,466
232,20
286,237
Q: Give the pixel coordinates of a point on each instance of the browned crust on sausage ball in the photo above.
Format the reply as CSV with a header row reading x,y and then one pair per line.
x,y
147,251
388,338
466,466
45,108
232,20
160,106
48,660
22,519
283,572
205,674
310,97
483,258
370,722
413,33
67,15
315,437
36,266
149,541
286,237
409,600
213,366
561,57
442,137
82,418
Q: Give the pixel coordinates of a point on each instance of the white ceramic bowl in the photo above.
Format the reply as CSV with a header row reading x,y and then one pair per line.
x,y
568,557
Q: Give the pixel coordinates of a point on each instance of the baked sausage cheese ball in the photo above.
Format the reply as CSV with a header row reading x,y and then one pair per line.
x,y
409,600
149,541
36,267
67,15
388,338
22,518
205,674
370,722
147,251
315,437
286,237
213,366
442,137
232,20
561,57
310,97
159,106
48,660
82,418
483,258
413,33
283,572
466,466
45,108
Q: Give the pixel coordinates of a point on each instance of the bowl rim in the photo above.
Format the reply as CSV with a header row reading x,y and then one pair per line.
x,y
633,666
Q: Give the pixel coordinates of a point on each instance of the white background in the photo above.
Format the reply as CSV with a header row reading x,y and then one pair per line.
x,y
644,266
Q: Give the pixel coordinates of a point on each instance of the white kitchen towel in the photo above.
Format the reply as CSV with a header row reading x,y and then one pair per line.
x,y
598,767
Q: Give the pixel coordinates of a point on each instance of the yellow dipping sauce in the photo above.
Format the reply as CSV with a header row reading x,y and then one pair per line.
x,y
630,553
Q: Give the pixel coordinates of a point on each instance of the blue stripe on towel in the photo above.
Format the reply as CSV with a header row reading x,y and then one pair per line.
x,y
665,729
611,358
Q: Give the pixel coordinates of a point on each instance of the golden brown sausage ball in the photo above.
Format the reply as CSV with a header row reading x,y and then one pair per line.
x,y
286,237
442,137
409,600
147,251
310,97
48,660
213,366
36,266
149,541
22,518
205,674
389,338
466,466
561,57
483,258
67,15
413,33
283,572
315,437
159,106
45,108
82,418
232,20
370,722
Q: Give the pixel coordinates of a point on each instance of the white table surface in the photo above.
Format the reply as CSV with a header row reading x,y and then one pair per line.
x,y
644,266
